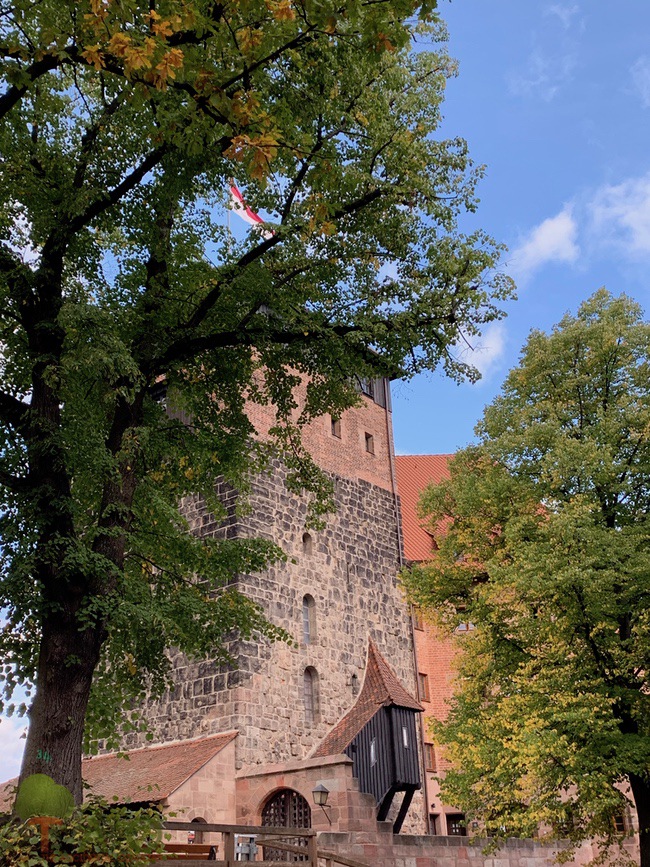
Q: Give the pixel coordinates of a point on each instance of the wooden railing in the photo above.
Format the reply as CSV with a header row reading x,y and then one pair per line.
x,y
298,841
226,851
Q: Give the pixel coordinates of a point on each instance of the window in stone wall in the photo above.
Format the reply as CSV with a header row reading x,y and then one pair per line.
x,y
308,619
370,444
310,692
456,826
423,687
434,823
307,544
336,428
418,620
620,823
430,757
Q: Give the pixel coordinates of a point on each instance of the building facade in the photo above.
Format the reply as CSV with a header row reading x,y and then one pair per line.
x,y
337,590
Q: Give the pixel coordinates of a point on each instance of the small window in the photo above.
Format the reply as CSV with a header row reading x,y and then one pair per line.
x,y
418,622
405,737
370,444
373,752
336,428
430,757
354,683
434,823
308,619
423,687
366,386
620,825
465,627
307,545
310,693
456,826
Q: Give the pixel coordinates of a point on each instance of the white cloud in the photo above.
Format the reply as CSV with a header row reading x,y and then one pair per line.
x,y
553,240
620,216
11,746
544,75
640,72
564,12
489,350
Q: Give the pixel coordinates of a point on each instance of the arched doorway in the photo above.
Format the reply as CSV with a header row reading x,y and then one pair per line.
x,y
286,808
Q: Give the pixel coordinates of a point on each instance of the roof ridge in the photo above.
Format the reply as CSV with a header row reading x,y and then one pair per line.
x,y
161,746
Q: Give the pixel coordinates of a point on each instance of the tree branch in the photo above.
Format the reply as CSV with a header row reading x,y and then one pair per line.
x,y
36,70
13,412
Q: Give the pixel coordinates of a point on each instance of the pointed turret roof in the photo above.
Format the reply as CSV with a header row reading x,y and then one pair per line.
x,y
381,688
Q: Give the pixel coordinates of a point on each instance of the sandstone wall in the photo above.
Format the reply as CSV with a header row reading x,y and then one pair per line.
x,y
382,848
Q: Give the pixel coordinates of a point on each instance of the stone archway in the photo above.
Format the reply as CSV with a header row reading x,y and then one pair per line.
x,y
286,808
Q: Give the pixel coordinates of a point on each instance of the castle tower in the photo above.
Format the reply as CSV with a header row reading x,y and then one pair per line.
x,y
337,588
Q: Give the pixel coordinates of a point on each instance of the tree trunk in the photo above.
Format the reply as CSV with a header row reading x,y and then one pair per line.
x,y
68,658
641,791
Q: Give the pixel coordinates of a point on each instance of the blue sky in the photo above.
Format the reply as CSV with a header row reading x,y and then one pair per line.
x,y
554,98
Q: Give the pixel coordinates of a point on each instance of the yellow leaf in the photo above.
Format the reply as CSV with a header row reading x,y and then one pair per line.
x,y
118,44
92,54
162,29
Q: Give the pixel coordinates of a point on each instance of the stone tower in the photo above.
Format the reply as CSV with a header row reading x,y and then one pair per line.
x,y
337,588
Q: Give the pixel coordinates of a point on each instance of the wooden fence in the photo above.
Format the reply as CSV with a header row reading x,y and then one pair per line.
x,y
231,845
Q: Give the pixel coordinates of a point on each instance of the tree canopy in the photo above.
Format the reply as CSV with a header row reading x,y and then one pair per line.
x,y
543,532
121,125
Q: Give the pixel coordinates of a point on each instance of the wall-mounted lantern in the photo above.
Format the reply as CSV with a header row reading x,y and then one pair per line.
x,y
320,793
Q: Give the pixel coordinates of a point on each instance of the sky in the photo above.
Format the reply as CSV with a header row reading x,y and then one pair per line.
x,y
554,99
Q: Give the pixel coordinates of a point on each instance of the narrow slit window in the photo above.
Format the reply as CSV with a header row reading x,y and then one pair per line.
x,y
308,619
423,687
405,737
310,693
370,444
336,428
307,544
373,752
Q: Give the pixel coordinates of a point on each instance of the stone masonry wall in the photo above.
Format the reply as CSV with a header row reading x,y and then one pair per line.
x,y
349,568
382,848
351,573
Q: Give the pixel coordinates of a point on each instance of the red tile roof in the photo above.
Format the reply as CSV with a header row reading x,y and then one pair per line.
x,y
149,774
415,472
380,688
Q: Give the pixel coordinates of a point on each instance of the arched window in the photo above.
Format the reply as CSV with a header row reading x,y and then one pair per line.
x,y
197,835
308,619
310,693
306,543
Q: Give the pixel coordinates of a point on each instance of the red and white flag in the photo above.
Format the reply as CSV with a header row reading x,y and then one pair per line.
x,y
242,210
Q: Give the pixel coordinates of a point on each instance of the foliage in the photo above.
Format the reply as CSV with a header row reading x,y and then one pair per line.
x,y
121,124
543,535
39,795
114,836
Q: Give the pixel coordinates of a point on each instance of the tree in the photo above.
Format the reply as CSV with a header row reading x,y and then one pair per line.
x,y
543,532
121,123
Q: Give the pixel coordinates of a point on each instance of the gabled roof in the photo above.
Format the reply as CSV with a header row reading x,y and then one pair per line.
x,y
149,774
380,688
415,472
152,773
